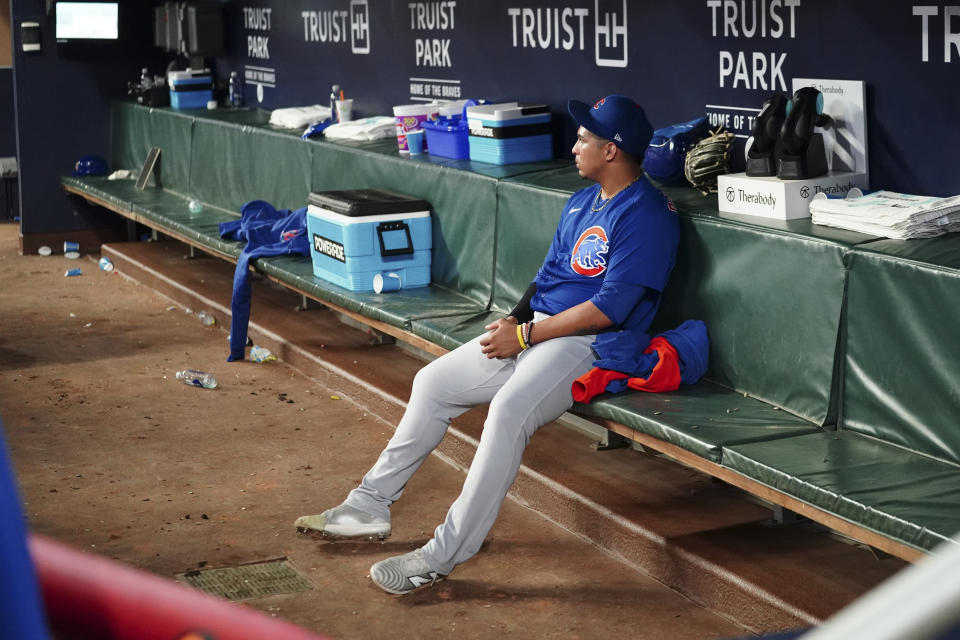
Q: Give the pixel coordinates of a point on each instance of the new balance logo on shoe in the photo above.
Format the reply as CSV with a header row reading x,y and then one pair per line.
x,y
419,581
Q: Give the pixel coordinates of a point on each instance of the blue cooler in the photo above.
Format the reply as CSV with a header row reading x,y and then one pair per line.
x,y
356,236
508,133
190,89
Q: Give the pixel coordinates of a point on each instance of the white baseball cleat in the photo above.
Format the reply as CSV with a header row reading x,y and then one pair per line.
x,y
344,522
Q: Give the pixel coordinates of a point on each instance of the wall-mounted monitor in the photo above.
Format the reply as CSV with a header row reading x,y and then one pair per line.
x,y
86,21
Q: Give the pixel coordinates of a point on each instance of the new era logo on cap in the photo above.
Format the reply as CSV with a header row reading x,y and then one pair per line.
x,y
618,138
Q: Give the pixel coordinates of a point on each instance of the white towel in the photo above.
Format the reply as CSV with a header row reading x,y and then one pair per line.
x,y
365,129
889,214
299,117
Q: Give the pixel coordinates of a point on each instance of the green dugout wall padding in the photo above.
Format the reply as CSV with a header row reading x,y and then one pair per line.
x,y
136,129
464,207
903,495
228,166
902,356
772,304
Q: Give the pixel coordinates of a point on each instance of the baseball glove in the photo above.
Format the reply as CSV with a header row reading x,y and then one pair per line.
x,y
708,159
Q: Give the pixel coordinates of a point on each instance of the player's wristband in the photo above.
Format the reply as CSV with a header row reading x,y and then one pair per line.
x,y
523,345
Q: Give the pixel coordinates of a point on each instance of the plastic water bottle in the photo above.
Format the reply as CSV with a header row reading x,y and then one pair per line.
x,y
206,319
261,354
334,96
196,378
236,92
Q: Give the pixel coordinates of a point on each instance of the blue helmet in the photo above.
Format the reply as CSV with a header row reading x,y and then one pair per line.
x,y
90,166
664,157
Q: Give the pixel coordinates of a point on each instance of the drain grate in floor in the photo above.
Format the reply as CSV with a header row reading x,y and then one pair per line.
x,y
249,580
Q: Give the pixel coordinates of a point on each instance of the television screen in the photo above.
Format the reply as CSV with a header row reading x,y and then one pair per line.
x,y
87,21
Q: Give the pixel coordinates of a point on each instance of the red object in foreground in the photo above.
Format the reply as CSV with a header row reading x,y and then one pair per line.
x,y
86,596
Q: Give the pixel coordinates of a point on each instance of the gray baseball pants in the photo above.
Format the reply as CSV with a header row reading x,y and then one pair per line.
x,y
524,393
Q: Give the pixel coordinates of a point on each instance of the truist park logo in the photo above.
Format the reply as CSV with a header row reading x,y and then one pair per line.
x,y
339,26
569,28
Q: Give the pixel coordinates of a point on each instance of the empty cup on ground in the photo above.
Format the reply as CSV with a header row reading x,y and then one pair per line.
x,y
384,283
415,141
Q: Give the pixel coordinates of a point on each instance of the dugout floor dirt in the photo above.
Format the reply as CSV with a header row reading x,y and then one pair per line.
x,y
116,457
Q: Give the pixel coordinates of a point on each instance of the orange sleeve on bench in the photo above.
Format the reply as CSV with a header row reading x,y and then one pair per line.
x,y
665,375
594,382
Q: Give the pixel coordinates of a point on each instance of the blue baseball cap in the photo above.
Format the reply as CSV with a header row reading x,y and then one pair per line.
x,y
617,119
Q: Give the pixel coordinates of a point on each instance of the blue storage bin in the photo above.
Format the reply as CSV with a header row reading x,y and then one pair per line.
x,y
355,235
189,91
517,150
509,133
448,138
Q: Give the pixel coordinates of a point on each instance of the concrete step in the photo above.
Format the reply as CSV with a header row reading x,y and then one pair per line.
x,y
703,538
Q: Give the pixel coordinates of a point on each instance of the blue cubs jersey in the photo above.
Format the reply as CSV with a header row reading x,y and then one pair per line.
x,y
617,253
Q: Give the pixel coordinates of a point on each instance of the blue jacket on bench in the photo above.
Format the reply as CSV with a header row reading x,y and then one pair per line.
x,y
268,232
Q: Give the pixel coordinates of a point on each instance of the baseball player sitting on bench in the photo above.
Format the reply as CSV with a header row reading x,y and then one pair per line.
x,y
595,294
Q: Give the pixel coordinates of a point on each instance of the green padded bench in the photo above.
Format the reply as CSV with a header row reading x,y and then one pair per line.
x,y
894,465
797,405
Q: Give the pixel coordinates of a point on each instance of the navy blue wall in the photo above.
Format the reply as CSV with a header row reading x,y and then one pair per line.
x,y
680,59
8,131
63,95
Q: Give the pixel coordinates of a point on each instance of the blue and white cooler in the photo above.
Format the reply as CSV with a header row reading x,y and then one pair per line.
x,y
370,239
510,132
190,89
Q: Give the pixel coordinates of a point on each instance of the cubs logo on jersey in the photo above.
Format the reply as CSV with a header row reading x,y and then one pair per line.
x,y
589,256
287,236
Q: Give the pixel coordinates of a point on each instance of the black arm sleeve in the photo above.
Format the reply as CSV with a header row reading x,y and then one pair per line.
x,y
522,311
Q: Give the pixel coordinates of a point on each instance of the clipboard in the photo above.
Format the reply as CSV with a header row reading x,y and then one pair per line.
x,y
150,165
